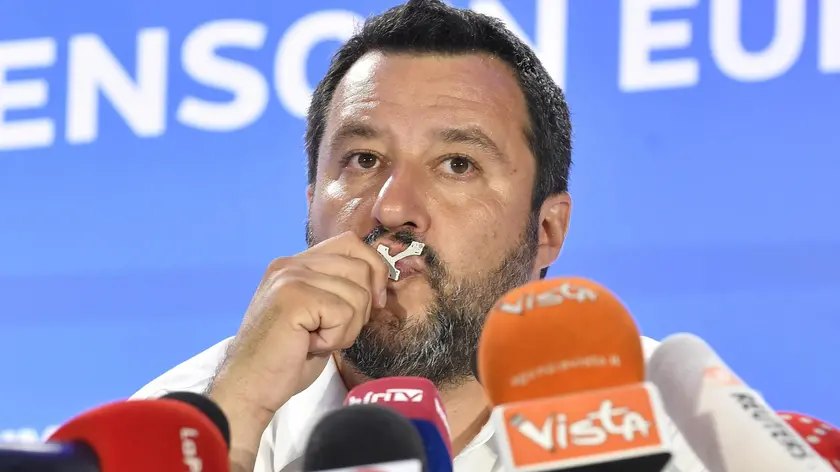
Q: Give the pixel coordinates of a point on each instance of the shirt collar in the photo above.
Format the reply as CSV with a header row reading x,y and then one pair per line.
x,y
481,439
307,408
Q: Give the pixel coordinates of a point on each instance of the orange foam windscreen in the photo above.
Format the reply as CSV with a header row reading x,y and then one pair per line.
x,y
558,336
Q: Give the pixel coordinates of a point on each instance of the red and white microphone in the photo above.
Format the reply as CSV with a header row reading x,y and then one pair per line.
x,y
823,437
164,435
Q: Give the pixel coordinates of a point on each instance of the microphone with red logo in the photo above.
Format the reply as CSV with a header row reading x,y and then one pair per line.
x,y
823,437
728,425
418,400
364,438
164,435
562,361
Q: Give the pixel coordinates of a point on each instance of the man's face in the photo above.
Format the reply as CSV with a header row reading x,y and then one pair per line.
x,y
432,149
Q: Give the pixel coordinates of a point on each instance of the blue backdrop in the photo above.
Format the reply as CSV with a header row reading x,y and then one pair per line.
x,y
151,165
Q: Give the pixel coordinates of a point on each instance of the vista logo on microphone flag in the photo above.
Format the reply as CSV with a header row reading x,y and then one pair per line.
x,y
519,302
593,426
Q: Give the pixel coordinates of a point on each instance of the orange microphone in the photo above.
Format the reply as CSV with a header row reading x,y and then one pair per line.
x,y
561,359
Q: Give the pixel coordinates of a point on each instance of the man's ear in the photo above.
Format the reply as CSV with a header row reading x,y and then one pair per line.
x,y
554,218
310,190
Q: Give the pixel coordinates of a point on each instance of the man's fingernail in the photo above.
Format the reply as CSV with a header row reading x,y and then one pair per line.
x,y
383,298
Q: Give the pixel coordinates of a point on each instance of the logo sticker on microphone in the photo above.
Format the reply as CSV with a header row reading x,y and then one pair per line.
x,y
190,450
555,295
774,426
576,426
389,395
721,376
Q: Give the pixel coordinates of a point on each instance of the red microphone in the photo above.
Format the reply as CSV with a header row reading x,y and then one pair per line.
x,y
418,400
823,437
164,435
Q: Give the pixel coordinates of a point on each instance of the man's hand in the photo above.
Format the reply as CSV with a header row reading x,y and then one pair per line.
x,y
306,307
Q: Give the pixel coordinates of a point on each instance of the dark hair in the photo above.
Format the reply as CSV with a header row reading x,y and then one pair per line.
x,y
431,27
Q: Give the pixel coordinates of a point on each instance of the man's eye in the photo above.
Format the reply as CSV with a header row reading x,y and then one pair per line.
x,y
362,160
458,165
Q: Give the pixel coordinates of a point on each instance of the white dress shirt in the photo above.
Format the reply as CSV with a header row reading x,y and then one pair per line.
x,y
283,442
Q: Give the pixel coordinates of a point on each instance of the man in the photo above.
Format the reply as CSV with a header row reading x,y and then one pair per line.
x,y
435,125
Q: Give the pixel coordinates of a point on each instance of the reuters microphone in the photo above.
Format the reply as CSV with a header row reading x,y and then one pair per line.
x,y
418,400
728,425
823,437
166,435
561,359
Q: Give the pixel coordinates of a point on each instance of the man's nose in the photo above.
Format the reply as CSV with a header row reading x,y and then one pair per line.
x,y
402,201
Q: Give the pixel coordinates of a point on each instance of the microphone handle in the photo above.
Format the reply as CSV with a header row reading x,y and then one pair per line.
x,y
50,457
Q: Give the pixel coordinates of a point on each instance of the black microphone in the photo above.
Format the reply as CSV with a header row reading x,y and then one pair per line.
x,y
206,406
363,436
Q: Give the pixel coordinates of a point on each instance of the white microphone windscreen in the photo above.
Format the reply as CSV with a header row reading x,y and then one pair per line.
x,y
679,366
730,427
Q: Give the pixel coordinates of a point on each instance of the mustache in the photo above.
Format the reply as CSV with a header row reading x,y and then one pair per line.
x,y
406,237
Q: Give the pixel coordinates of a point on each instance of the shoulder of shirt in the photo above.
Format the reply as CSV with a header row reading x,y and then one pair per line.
x,y
192,375
195,374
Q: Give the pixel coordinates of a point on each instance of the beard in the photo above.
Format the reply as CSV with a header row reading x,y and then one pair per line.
x,y
441,343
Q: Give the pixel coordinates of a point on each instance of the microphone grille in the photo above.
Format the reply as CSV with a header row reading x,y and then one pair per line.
x,y
360,435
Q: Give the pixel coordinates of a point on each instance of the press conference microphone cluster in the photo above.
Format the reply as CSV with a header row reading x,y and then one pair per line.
x,y
729,426
562,362
181,432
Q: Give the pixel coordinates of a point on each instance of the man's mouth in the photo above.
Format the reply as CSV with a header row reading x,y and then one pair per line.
x,y
406,260
410,266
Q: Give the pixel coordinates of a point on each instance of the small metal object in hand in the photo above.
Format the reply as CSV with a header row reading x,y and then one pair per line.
x,y
415,249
